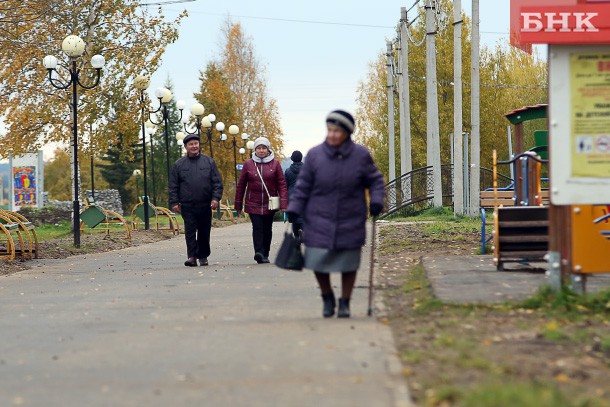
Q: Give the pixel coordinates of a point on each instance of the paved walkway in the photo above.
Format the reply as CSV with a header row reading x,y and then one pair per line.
x,y
136,328
474,279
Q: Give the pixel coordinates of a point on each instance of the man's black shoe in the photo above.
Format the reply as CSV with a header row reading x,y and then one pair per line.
x,y
265,260
203,262
191,262
258,257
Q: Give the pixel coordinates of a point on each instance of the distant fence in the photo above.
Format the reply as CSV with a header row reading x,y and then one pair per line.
x,y
413,191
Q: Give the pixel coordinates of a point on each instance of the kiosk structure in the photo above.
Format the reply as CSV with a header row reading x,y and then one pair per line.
x,y
578,36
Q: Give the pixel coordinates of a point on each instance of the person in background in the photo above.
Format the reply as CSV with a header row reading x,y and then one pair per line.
x,y
261,177
291,174
195,189
330,194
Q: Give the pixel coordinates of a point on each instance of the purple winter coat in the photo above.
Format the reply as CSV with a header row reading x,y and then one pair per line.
x,y
330,195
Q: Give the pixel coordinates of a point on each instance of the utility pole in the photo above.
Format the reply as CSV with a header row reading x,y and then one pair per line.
x,y
404,104
475,102
391,146
458,162
433,150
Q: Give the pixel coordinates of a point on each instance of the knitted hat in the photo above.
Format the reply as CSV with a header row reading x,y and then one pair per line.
x,y
190,137
262,141
296,156
342,119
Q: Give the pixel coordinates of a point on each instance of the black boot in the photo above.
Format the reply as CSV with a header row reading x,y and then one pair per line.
x,y
329,305
343,308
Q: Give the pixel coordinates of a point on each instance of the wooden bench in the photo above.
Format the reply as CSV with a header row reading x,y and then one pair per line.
x,y
155,213
506,198
26,228
8,229
93,215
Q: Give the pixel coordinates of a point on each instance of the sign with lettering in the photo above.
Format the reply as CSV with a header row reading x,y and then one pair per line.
x,y
581,24
559,22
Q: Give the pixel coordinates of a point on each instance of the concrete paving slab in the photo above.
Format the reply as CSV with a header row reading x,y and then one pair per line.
x,y
474,279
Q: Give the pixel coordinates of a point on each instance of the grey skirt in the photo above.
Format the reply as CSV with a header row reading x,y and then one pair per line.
x,y
332,261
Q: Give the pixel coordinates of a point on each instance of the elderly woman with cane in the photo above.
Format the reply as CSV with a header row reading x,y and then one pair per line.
x,y
330,194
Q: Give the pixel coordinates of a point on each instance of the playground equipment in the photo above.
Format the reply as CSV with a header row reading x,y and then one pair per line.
x,y
521,208
521,230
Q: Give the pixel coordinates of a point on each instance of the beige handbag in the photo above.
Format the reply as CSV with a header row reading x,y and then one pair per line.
x,y
274,201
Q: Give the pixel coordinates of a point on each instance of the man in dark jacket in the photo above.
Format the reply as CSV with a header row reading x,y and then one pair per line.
x,y
195,189
291,174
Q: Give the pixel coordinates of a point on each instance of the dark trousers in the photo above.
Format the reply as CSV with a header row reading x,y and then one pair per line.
x,y
262,231
197,227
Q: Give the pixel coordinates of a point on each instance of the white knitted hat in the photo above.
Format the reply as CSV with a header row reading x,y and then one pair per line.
x,y
262,141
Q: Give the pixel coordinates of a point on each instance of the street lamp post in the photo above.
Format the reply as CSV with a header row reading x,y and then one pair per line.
x,y
197,110
74,47
92,179
141,83
137,173
150,131
165,96
92,163
208,122
179,140
233,130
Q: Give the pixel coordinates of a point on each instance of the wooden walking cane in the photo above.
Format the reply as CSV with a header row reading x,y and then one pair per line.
x,y
371,268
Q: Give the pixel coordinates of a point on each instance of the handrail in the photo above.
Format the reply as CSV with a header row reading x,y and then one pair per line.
x,y
415,189
527,155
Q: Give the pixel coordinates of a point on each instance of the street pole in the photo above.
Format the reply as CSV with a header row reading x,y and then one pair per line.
x,y
165,96
74,47
406,164
391,141
235,160
475,102
75,203
433,152
166,122
152,167
458,162
145,199
92,179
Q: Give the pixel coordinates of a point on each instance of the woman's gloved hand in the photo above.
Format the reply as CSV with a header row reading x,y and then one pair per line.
x,y
291,216
375,209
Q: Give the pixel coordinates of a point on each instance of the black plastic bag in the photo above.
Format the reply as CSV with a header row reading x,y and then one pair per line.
x,y
289,255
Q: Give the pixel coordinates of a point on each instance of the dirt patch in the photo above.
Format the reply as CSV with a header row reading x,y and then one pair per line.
x,y
470,355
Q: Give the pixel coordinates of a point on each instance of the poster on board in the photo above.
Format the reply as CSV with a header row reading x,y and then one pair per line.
x,y
579,117
590,99
26,180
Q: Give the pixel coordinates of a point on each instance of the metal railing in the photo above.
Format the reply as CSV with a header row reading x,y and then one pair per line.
x,y
413,191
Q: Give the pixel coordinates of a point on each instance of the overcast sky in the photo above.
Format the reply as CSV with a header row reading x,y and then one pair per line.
x,y
315,52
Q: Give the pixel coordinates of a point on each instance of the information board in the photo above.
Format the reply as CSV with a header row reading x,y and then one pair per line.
x,y
579,118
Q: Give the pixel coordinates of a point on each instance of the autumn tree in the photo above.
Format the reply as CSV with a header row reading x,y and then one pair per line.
x,y
510,79
235,90
57,180
131,38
